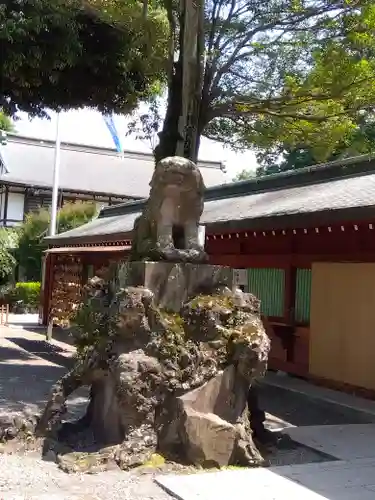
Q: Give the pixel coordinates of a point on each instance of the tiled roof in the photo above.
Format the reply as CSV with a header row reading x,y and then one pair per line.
x,y
328,196
318,195
87,169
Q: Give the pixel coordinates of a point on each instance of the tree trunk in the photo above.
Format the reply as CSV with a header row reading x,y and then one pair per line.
x,y
181,129
169,137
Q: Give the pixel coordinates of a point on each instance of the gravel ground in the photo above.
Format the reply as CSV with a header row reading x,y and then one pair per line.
x,y
29,478
28,367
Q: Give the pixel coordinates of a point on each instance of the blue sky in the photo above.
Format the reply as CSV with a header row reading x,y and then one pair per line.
x,y
88,127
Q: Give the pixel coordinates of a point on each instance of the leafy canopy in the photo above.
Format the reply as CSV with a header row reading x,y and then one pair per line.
x,y
282,157
8,241
283,71
275,71
60,54
291,71
5,123
244,175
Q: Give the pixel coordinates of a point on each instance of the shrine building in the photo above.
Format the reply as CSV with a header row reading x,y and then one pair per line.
x,y
303,242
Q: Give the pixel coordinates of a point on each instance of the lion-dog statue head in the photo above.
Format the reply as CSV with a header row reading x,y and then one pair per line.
x,y
169,225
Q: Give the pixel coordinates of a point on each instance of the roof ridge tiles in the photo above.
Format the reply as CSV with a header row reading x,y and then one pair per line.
x,y
315,174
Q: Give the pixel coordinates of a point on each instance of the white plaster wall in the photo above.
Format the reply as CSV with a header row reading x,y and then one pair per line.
x,y
15,207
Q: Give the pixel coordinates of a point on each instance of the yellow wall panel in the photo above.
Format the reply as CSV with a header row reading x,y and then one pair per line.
x,y
342,323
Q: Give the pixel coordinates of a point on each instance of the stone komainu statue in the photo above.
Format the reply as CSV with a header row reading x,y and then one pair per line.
x,y
168,227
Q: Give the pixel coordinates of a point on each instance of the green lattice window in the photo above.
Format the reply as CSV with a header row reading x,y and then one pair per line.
x,y
268,284
303,296
90,271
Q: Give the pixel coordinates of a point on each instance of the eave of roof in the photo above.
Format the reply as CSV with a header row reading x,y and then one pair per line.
x,y
84,249
273,201
46,187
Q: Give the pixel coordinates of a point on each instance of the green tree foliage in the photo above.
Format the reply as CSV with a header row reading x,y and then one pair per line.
x,y
8,241
244,175
282,157
249,73
59,54
300,74
5,122
28,292
277,71
32,232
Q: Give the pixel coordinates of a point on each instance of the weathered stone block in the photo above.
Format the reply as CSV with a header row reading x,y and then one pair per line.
x,y
205,422
173,284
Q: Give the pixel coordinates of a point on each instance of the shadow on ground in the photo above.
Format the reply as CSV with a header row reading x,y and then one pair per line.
x,y
9,354
45,350
301,410
26,380
60,334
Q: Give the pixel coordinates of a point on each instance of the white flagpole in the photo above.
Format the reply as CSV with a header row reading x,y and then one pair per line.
x,y
56,175
55,198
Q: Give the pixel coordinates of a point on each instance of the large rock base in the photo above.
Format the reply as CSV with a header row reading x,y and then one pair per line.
x,y
210,424
169,365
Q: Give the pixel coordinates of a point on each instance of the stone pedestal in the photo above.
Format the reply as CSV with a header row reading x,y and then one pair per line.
x,y
173,284
169,373
168,346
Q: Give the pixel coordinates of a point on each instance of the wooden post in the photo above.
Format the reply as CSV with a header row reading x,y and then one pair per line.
x,y
2,312
48,287
7,314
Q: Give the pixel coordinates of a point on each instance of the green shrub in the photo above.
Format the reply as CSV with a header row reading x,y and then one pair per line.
x,y
8,241
7,265
28,292
34,229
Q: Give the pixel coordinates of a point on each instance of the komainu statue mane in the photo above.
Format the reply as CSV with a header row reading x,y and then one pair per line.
x,y
169,225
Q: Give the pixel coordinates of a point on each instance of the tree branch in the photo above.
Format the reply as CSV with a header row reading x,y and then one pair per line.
x,y
225,24
270,104
214,17
231,113
172,40
289,24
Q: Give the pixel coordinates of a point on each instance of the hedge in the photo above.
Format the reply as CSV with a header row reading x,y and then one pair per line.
x,y
28,292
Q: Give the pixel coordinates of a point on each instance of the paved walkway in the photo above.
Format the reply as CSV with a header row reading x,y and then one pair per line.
x,y
354,480
28,368
23,320
346,442
314,392
350,477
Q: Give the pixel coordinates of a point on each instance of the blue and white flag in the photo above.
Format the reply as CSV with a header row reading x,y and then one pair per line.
x,y
109,121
